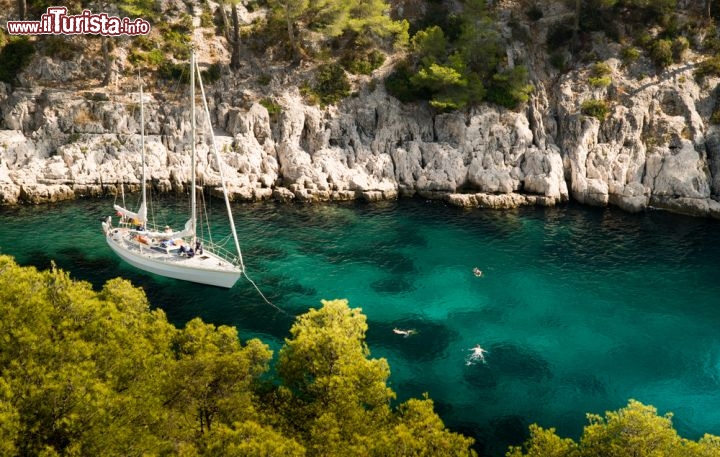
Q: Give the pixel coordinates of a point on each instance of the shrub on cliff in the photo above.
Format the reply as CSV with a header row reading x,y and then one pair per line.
x,y
661,53
708,67
15,56
331,85
600,75
509,88
598,109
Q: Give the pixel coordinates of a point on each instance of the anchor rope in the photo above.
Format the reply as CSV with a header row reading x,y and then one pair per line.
x,y
263,296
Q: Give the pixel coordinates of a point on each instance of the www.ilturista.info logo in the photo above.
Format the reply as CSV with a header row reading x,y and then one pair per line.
x,y
57,22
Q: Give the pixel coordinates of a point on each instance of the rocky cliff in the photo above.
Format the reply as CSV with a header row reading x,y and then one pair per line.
x,y
656,148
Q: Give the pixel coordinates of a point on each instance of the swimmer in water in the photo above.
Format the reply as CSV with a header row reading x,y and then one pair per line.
x,y
477,272
478,353
404,333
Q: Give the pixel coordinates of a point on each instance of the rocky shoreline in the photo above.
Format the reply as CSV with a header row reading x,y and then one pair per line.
x,y
656,149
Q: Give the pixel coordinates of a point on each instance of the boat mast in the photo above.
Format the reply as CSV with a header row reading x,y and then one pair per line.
x,y
219,163
193,218
143,206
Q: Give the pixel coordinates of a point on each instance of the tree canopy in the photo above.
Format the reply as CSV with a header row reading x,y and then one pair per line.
x,y
633,431
85,372
459,61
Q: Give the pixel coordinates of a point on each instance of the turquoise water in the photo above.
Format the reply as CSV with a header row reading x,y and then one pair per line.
x,y
580,309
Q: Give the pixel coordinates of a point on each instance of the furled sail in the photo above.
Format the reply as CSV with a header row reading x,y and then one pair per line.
x,y
140,216
187,231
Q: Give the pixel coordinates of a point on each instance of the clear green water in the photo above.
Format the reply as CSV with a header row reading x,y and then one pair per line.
x,y
580,309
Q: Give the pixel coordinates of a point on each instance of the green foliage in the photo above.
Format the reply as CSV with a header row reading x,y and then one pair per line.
x,y
206,17
173,71
601,69
598,109
339,399
362,63
153,58
558,60
602,81
480,46
629,55
249,438
15,56
37,7
321,22
600,75
213,73
679,46
271,106
176,41
644,39
444,83
418,419
370,18
264,79
509,88
661,53
453,70
398,84
58,46
711,43
544,443
88,372
635,430
708,67
146,9
430,45
331,84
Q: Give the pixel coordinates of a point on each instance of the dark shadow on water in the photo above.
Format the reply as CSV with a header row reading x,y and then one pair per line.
x,y
491,314
40,260
506,431
480,376
408,238
518,362
588,384
394,285
81,267
494,437
430,341
392,261
279,286
267,253
240,307
473,431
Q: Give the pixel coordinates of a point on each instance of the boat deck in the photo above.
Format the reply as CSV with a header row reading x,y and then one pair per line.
x,y
206,261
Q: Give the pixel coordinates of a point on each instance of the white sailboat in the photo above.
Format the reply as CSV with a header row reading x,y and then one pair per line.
x,y
176,254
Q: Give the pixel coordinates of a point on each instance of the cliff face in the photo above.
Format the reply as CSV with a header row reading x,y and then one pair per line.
x,y
655,149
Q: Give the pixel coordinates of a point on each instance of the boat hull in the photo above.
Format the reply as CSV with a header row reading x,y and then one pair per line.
x,y
205,268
